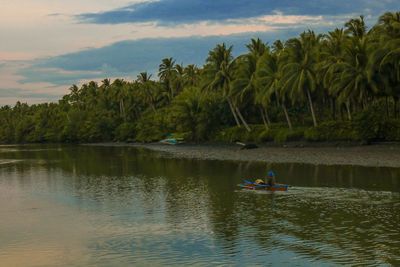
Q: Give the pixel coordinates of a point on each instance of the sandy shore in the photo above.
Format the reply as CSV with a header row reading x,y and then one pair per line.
x,y
383,155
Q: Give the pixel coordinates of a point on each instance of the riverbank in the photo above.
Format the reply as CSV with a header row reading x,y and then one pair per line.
x,y
377,155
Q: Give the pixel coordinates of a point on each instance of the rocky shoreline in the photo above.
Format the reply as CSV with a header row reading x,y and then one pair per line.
x,y
377,155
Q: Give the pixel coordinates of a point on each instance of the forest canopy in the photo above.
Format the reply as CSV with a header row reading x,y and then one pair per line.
x,y
340,85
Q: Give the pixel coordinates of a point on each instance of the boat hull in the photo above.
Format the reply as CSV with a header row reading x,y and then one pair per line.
x,y
253,186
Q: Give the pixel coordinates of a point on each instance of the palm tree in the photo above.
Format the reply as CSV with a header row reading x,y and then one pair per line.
x,y
256,47
106,82
191,75
299,77
92,95
332,53
143,77
356,27
268,78
74,94
351,79
148,90
219,74
187,109
385,59
177,80
243,86
264,71
120,89
166,71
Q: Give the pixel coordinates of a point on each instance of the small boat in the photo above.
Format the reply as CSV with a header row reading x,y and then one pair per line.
x,y
172,141
266,187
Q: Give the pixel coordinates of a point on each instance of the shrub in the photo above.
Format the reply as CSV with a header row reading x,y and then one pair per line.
x,y
124,131
152,126
369,122
285,135
332,131
240,133
268,135
390,130
196,114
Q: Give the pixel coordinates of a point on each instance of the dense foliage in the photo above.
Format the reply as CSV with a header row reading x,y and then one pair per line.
x,y
343,85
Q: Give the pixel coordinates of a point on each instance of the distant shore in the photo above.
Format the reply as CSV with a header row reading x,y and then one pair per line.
x,y
377,155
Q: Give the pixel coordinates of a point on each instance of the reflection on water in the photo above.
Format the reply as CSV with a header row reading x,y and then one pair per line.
x,y
103,206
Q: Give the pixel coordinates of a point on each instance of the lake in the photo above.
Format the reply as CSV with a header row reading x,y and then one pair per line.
x,y
71,205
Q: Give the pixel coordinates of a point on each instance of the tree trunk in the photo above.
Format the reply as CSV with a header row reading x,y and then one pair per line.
x,y
287,117
387,106
233,112
122,108
311,108
263,118
348,109
363,106
333,108
266,116
242,119
341,112
395,100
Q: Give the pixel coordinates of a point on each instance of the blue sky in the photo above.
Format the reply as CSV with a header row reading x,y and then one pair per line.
x,y
51,44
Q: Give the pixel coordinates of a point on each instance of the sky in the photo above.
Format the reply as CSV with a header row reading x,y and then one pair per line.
x,y
48,45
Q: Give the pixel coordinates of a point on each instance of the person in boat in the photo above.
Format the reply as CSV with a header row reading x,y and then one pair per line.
x,y
270,179
259,182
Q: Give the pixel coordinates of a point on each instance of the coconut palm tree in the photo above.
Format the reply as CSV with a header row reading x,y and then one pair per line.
x,y
356,27
268,78
187,109
191,75
351,79
177,80
332,53
218,75
148,90
243,87
257,47
120,90
385,60
166,71
298,68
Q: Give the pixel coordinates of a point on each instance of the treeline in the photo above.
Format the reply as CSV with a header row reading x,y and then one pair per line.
x,y
342,85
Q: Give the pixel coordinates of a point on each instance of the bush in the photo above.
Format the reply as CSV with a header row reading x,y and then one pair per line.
x,y
124,132
260,134
369,122
390,130
152,126
196,114
332,131
240,133
268,135
285,135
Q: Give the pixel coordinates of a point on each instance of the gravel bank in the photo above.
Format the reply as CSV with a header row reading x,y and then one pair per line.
x,y
384,155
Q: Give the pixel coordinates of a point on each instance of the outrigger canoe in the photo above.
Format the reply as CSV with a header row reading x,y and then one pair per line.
x,y
254,186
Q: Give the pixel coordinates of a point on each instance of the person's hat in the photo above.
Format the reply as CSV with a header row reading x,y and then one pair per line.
x,y
271,173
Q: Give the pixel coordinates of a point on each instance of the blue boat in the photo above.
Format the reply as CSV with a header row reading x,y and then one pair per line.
x,y
253,186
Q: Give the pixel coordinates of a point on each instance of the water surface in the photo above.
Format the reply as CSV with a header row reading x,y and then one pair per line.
x,y
124,206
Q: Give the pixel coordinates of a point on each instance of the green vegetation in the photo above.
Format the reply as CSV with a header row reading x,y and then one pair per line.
x,y
339,86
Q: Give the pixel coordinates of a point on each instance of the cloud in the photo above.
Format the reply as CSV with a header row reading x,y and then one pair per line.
x,y
45,78
129,58
186,11
12,90
55,76
126,59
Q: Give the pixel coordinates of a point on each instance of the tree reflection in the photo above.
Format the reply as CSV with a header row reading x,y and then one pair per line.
x,y
340,214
